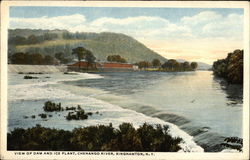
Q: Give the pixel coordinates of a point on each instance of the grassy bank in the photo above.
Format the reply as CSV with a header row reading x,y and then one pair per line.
x,y
95,138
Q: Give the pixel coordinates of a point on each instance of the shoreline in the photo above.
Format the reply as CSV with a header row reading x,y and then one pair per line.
x,y
17,68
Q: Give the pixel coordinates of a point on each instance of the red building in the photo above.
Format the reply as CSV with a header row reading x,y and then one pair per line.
x,y
104,66
115,65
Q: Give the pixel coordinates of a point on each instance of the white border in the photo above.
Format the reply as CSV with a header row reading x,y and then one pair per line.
x,y
180,4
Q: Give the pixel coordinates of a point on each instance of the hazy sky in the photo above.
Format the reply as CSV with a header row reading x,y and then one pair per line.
x,y
181,33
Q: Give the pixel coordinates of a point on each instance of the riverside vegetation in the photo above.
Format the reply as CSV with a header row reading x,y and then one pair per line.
x,y
95,138
92,138
230,68
77,113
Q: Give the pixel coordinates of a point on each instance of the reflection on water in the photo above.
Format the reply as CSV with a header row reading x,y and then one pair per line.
x,y
234,91
195,101
203,106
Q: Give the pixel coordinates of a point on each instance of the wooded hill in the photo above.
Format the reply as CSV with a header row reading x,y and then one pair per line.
x,y
50,42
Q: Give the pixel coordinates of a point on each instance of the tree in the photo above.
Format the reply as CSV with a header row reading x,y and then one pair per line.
x,y
49,60
18,58
36,59
90,58
32,39
186,65
116,58
156,63
80,52
194,65
172,64
144,64
17,40
59,55
230,68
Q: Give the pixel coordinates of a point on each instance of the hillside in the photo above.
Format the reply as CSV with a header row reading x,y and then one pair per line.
x,y
101,44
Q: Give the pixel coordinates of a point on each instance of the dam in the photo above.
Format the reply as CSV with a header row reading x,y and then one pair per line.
x,y
36,68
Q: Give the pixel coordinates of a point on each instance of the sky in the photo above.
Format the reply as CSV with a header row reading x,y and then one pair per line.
x,y
193,34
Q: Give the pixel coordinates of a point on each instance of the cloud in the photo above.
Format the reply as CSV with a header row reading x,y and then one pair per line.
x,y
212,24
200,35
201,18
60,22
230,26
202,25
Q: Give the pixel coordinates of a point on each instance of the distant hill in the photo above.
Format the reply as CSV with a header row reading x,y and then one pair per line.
x,y
204,66
201,65
101,44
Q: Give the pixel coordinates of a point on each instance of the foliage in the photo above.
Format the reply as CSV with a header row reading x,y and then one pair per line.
x,y
70,108
194,65
31,39
233,143
79,113
50,107
83,53
80,52
95,138
144,64
156,63
62,58
39,138
90,58
42,115
230,68
116,58
33,59
173,65
30,77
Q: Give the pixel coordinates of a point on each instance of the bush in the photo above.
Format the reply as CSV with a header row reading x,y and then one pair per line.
x,y
95,138
50,107
70,108
39,138
78,115
42,115
233,143
29,77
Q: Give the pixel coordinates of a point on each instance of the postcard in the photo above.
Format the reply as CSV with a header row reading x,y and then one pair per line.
x,y
124,80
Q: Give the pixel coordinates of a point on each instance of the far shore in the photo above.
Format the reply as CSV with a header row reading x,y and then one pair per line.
x,y
16,68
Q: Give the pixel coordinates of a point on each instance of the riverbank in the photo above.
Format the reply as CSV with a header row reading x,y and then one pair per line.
x,y
147,137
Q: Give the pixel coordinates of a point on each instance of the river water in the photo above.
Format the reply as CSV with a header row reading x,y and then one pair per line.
x,y
203,106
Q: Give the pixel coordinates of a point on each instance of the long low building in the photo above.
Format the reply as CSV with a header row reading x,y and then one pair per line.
x,y
104,66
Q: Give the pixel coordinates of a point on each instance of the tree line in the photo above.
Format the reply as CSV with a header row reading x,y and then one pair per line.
x,y
95,138
32,39
82,53
230,68
32,59
116,58
169,65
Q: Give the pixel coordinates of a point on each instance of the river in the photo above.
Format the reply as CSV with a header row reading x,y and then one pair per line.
x,y
203,106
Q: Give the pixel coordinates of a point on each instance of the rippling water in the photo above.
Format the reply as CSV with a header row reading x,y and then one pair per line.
x,y
203,106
